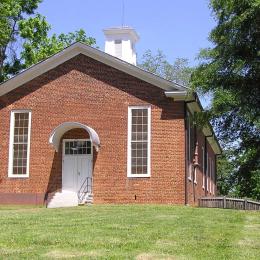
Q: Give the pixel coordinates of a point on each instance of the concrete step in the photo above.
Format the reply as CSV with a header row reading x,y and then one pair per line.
x,y
63,199
69,199
85,198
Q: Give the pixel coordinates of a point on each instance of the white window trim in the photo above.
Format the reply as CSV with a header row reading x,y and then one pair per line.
x,y
190,171
213,177
189,138
11,145
195,176
210,175
203,168
129,173
207,171
80,139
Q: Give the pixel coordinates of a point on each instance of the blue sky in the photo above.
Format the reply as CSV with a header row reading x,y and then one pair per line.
x,y
178,27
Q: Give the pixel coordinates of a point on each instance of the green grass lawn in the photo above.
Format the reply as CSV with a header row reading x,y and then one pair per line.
x,y
128,232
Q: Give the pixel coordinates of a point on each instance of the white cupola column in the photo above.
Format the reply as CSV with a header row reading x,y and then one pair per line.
x,y
120,42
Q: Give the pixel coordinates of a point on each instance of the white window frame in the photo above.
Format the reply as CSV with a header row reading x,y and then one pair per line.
x,y
195,175
129,154
71,140
207,171
213,177
210,175
203,168
188,140
11,145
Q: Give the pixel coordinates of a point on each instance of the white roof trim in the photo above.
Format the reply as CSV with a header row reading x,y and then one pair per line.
x,y
80,48
122,30
177,95
60,130
195,106
207,129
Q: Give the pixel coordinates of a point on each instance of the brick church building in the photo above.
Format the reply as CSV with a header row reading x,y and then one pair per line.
x,y
90,126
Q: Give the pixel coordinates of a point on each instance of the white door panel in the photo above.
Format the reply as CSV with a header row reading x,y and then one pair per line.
x,y
77,165
68,176
84,170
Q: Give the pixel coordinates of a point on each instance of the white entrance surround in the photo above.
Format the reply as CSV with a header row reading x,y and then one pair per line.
x,y
77,166
60,130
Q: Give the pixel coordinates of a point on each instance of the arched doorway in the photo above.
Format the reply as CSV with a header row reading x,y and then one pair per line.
x,y
77,161
60,130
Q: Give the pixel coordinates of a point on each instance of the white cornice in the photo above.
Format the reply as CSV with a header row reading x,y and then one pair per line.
x,y
177,95
122,30
193,104
207,129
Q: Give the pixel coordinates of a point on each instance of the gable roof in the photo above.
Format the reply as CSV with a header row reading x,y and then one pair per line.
x,y
172,89
80,48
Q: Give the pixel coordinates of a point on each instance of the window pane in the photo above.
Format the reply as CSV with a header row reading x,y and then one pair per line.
x,y
20,142
139,170
77,147
139,141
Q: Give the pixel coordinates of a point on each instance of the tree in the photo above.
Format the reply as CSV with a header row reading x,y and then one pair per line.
x,y
178,72
24,37
230,72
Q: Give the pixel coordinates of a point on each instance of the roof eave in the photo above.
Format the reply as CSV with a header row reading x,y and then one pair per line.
x,y
80,48
194,105
180,95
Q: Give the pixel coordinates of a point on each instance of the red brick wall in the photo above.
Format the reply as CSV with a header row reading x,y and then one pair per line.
x,y
211,156
94,94
196,190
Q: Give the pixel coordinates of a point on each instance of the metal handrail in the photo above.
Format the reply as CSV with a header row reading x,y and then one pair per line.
x,y
86,187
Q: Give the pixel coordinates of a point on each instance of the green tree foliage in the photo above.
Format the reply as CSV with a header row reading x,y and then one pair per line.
x,y
224,172
24,37
230,72
178,72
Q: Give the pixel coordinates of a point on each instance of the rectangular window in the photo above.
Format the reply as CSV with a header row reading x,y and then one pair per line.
x,y
207,171
190,144
118,48
203,168
210,175
77,147
19,148
139,128
195,175
213,178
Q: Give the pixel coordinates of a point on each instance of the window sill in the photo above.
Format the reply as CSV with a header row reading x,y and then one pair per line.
x,y
18,177
139,176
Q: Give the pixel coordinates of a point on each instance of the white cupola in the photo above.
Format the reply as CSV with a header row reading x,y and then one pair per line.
x,y
120,42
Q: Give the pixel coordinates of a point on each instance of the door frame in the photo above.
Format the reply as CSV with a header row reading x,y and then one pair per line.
x,y
85,155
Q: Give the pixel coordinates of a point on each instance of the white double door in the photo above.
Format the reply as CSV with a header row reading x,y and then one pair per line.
x,y
77,165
